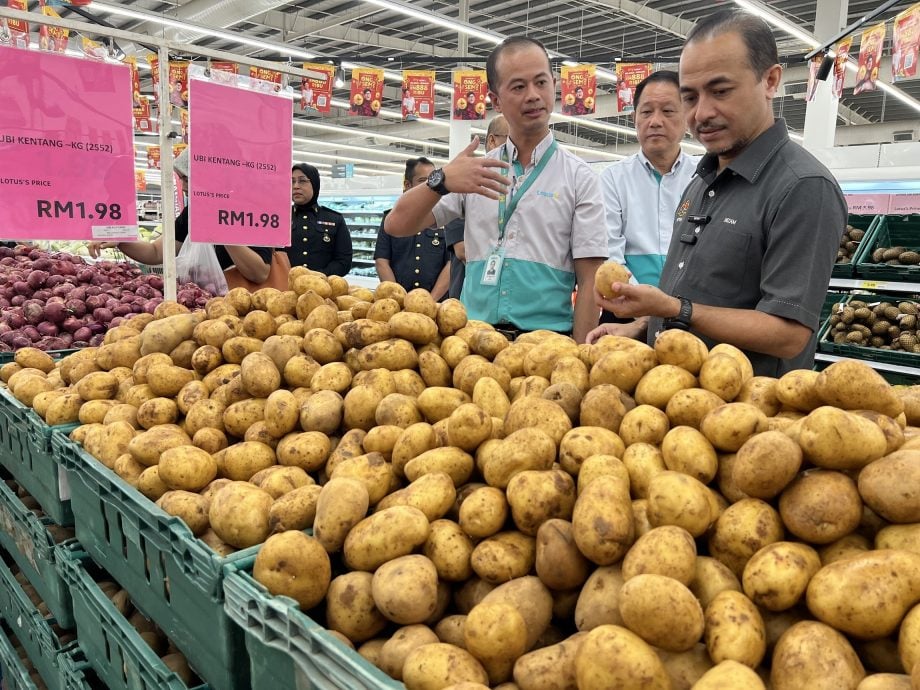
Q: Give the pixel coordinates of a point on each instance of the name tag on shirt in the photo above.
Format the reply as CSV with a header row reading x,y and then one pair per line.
x,y
493,269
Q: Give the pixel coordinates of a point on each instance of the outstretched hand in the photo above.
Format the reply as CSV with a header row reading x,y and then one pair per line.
x,y
633,301
468,173
95,248
634,330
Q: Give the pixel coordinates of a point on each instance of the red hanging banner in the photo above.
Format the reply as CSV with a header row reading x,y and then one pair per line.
x,y
19,30
905,44
224,72
178,83
840,65
470,89
52,38
579,88
629,74
870,56
418,94
316,94
153,157
269,78
366,91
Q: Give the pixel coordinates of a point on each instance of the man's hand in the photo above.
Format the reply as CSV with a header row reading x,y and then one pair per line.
x,y
633,301
635,330
95,248
471,174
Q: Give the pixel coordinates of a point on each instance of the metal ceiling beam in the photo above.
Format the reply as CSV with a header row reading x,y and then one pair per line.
x,y
660,20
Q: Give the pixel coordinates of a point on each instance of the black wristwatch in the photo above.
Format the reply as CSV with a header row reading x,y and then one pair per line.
x,y
437,182
682,320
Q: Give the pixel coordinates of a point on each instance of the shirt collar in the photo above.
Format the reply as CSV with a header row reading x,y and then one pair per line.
x,y
511,150
648,164
750,162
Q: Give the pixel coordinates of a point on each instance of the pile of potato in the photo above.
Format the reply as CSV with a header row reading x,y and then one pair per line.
x,y
849,244
885,325
895,256
531,515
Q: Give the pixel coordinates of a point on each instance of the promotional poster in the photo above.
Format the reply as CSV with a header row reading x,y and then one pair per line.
x,y
579,89
629,74
418,94
905,44
316,94
470,89
366,91
870,56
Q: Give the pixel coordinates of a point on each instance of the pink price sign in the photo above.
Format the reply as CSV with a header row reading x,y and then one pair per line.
x,y
66,148
239,177
867,204
905,203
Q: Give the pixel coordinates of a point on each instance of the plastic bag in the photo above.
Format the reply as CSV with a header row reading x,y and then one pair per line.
x,y
197,263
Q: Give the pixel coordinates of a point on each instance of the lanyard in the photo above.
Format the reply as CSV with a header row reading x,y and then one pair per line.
x,y
505,210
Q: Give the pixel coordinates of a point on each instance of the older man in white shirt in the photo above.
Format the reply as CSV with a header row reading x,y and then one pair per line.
x,y
641,193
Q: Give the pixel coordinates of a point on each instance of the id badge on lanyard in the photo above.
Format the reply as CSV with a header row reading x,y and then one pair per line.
x,y
496,257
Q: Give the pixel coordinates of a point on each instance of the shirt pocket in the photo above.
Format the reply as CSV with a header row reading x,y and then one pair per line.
x,y
723,264
434,242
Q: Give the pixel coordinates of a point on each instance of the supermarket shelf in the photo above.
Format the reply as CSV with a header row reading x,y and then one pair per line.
x,y
886,285
883,366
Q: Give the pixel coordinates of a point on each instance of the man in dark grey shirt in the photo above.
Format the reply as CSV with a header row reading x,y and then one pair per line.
x,y
756,233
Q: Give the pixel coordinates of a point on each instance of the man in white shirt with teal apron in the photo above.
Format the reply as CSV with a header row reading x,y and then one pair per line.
x,y
533,211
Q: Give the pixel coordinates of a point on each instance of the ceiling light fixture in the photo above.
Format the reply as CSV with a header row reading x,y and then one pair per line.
x,y
382,152
354,131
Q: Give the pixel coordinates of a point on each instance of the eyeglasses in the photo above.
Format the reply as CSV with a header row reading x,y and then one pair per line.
x,y
299,181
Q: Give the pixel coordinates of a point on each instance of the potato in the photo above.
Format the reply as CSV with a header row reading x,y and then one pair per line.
x,y
129,469
308,450
150,484
796,389
566,396
902,537
539,413
600,466
611,656
398,409
456,463
735,630
584,441
278,480
644,424
909,639
650,603
322,412
766,464
839,440
187,468
728,675
239,514
350,608
439,665
853,385
414,440
526,449
537,496
666,550
450,550
658,385
891,486
63,409
503,557
681,349
710,578
393,354
776,576
559,563
721,374
729,426
866,596
299,370
602,521
531,598
100,385
490,397
483,512
743,529
821,506
468,426
496,634
189,507
679,499
295,510
642,462
395,650
686,450
383,536
342,504
607,274
814,656
157,412
147,446
760,391
451,317
433,494
241,461
405,589
686,668
622,369
294,565
33,358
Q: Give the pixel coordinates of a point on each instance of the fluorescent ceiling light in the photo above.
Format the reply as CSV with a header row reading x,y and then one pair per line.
x,y
363,149
312,124
439,20
355,159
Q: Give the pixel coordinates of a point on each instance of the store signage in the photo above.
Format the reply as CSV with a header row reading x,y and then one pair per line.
x,y
240,142
470,90
340,170
904,203
418,94
366,91
629,75
906,44
66,147
579,88
316,92
870,57
867,204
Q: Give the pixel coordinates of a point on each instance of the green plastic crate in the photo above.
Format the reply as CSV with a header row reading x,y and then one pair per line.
x,y
11,413
12,670
26,538
891,231
865,352
32,630
172,577
866,223
115,649
287,648
76,672
35,469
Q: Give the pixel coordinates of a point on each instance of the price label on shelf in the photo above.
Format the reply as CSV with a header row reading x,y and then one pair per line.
x,y
905,203
867,204
239,177
870,284
66,146
109,232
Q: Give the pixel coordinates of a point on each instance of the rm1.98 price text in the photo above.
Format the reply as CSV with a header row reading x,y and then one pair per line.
x,y
47,208
245,219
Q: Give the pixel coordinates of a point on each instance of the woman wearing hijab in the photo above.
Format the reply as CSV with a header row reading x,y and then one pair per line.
x,y
320,239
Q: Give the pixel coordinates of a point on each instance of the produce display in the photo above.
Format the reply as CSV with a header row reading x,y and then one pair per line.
x,y
886,325
56,301
849,244
531,514
896,256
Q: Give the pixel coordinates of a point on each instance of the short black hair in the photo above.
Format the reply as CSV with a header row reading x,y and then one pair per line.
x,y
413,163
754,31
512,42
662,76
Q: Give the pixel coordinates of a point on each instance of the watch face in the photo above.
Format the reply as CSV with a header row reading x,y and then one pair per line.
x,y
435,178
